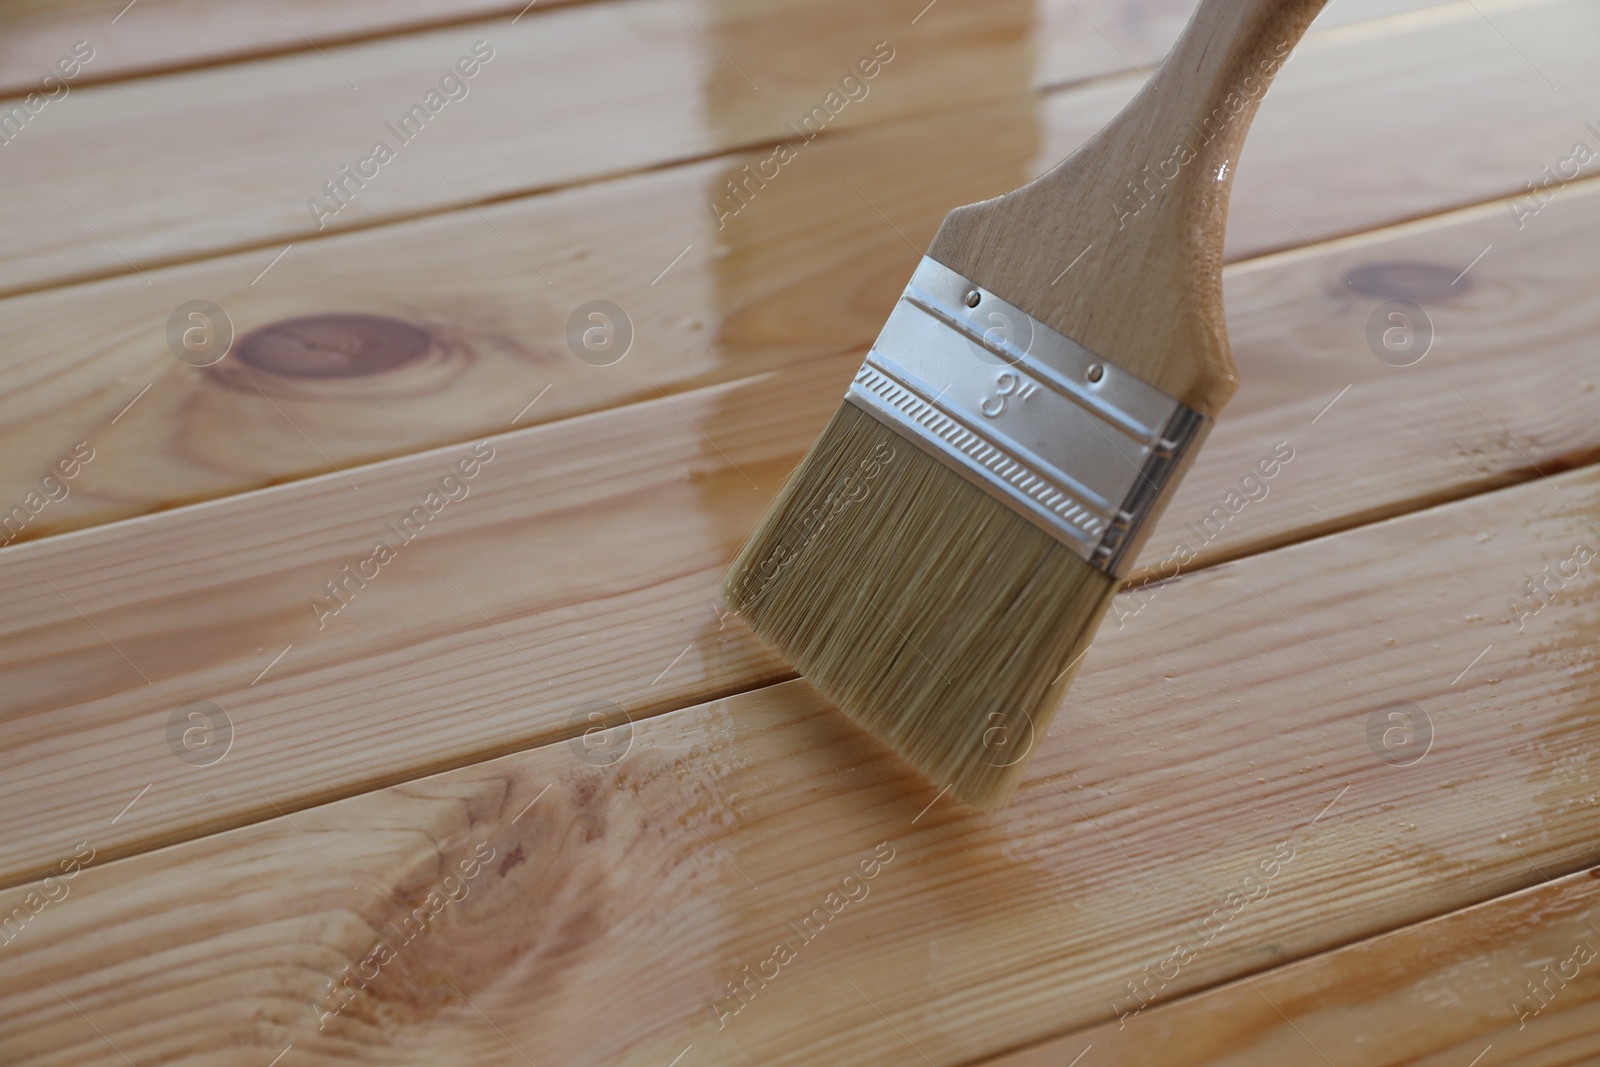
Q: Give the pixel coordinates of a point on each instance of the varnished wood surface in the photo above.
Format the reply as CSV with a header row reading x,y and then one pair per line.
x,y
1085,36
1166,787
1509,981
1448,425
595,545
569,95
228,157
809,268
1221,714
155,35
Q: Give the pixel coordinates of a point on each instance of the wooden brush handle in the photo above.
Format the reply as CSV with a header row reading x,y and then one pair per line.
x,y
1148,198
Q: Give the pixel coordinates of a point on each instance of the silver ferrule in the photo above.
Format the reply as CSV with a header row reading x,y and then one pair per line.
x,y
1072,442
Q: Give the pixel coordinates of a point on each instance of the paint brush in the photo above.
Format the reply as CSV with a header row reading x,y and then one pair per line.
x,y
939,562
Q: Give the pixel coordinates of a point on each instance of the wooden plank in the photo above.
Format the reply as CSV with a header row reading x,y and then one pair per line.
x,y
573,94
1212,783
1302,326
163,35
491,334
736,303
1077,39
271,133
1507,981
594,545
159,35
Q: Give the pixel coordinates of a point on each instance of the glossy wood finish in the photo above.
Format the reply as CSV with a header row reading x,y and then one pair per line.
x,y
230,157
1083,38
595,546
1223,712
1306,327
149,36
200,176
742,299
1218,754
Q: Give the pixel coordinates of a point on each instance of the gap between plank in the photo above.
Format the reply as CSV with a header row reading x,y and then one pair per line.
x,y
297,45
1396,229
376,782
1283,965
723,152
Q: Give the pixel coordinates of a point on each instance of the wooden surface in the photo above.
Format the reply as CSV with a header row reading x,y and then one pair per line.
x,y
740,301
1087,36
375,739
984,931
227,157
161,35
1507,981
638,509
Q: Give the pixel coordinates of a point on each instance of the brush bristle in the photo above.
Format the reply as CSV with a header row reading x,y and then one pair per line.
x,y
924,608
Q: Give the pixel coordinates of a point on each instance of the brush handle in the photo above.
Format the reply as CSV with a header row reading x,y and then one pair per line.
x,y
1148,198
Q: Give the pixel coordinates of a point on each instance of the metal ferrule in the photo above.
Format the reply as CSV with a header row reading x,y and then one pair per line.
x,y
1070,441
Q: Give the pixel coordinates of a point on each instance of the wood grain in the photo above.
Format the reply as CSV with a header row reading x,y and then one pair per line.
x,y
738,302
233,155
595,544
1212,782
1302,325
1507,981
228,158
159,35
445,695
1085,38
741,300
